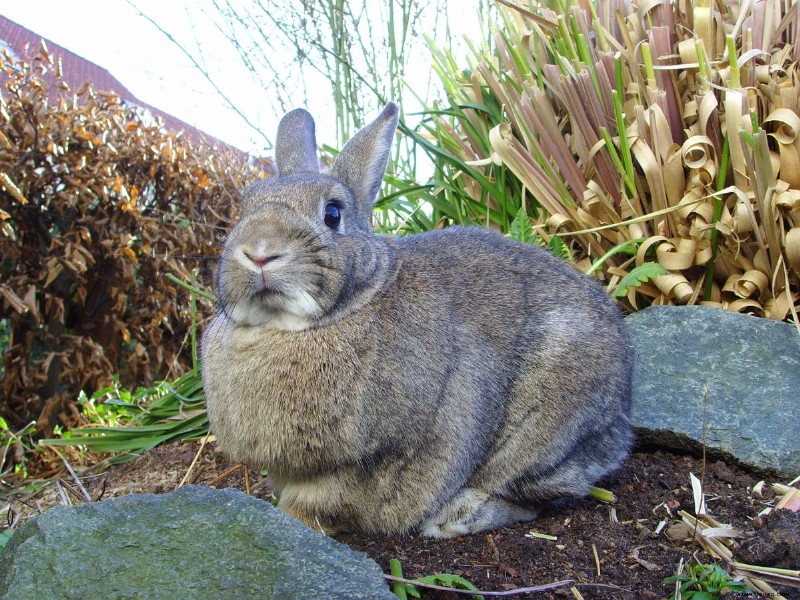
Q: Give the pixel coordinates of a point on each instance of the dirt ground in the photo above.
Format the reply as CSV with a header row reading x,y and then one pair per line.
x,y
618,551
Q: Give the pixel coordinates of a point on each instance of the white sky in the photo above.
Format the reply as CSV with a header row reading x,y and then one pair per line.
x,y
113,35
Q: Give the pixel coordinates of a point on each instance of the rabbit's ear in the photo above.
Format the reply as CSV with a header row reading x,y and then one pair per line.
x,y
362,162
296,145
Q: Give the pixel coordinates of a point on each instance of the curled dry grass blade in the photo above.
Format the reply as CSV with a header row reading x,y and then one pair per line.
x,y
630,122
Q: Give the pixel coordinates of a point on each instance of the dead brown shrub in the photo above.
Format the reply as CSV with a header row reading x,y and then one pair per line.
x,y
97,204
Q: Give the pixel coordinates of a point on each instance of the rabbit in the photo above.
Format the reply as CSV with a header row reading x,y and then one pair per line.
x,y
438,384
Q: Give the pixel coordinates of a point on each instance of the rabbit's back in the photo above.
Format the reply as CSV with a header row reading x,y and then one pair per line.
x,y
516,297
477,263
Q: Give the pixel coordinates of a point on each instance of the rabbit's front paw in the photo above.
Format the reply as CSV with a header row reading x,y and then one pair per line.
x,y
473,510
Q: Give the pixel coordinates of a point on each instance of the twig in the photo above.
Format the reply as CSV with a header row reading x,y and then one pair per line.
x,y
705,427
71,472
12,516
194,460
231,104
222,476
596,559
101,491
77,480
69,489
64,498
431,586
526,590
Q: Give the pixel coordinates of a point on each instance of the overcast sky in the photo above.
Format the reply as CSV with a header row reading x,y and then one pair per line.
x,y
113,35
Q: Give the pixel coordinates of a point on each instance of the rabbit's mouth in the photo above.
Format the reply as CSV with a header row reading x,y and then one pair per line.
x,y
266,294
265,288
275,309
269,299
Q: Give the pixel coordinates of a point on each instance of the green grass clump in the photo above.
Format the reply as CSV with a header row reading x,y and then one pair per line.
x,y
127,424
705,582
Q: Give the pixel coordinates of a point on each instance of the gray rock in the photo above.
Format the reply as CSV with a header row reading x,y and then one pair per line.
x,y
726,380
196,542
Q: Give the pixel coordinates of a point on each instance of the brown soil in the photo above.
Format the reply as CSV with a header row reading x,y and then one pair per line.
x,y
624,547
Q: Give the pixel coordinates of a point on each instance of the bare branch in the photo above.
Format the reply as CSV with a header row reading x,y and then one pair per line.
x,y
203,71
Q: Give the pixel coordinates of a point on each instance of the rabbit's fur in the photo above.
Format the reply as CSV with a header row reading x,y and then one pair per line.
x,y
446,383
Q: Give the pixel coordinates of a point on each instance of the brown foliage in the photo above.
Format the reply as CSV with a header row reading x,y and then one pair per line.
x,y
97,203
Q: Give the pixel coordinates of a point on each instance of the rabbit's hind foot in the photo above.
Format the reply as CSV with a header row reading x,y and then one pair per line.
x,y
473,510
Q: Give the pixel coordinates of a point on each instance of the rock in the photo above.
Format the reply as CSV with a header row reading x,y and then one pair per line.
x,y
726,380
196,542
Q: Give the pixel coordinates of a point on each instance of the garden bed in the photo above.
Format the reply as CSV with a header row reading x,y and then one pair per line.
x,y
620,550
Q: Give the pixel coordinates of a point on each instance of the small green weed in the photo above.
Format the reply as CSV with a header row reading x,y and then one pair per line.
x,y
522,231
705,582
15,448
637,276
111,406
403,589
558,248
442,579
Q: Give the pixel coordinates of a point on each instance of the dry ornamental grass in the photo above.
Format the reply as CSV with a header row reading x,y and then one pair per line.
x,y
661,139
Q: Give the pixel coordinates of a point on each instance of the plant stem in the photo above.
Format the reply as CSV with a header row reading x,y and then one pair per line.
x,y
601,494
708,284
648,67
396,570
193,311
736,81
193,289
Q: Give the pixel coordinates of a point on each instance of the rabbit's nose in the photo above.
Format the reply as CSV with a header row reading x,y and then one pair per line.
x,y
259,259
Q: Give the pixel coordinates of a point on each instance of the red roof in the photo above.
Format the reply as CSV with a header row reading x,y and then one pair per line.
x,y
76,71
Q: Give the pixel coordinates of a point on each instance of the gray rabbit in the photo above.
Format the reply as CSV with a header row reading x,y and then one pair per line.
x,y
442,383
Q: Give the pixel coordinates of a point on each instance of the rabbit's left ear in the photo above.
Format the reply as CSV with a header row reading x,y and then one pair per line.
x,y
296,145
362,162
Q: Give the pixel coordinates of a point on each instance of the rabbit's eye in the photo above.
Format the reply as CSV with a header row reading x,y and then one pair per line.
x,y
333,215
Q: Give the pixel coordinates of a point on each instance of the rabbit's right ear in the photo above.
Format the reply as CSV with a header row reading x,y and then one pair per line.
x,y
296,145
362,162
